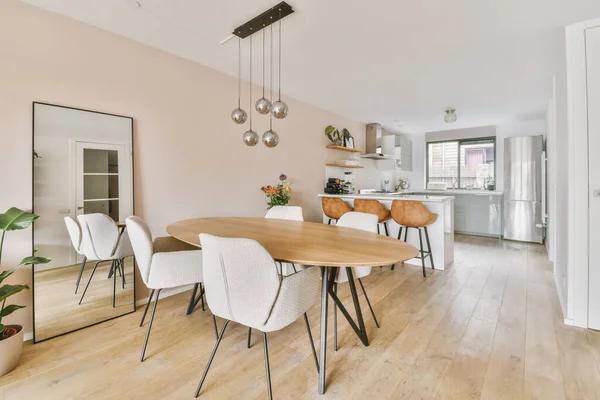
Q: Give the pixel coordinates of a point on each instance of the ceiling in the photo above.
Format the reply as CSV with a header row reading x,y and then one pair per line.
x,y
397,62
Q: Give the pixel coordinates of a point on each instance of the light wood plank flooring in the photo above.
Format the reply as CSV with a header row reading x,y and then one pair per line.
x,y
489,327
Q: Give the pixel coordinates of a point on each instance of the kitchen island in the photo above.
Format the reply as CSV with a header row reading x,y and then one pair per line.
x,y
441,232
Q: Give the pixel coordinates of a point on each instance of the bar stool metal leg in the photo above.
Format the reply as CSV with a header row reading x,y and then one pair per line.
x,y
429,248
421,253
249,337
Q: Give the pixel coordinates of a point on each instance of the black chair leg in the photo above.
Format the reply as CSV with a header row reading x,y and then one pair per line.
x,y
368,302
421,253
80,274
150,325
378,229
122,264
400,233
329,222
249,337
266,346
312,342
203,292
147,306
429,248
115,266
215,327
89,280
387,233
405,233
212,356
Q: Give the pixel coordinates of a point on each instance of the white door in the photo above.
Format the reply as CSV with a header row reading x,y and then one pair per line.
x,y
102,180
592,39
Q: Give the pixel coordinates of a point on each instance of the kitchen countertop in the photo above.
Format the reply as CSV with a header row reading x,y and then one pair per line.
x,y
476,192
384,196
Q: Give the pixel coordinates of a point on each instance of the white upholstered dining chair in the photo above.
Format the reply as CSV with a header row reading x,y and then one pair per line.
x,y
164,262
243,285
102,241
365,222
290,213
75,234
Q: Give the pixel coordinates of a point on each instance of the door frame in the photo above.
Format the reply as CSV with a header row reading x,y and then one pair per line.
x,y
125,178
578,238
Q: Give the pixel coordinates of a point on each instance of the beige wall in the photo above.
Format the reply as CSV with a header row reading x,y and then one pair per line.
x,y
189,158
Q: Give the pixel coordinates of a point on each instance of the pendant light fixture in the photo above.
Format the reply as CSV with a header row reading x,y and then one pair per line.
x,y
270,138
450,116
263,106
280,109
250,137
238,115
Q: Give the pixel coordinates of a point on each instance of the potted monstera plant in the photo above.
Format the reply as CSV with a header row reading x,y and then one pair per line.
x,y
11,336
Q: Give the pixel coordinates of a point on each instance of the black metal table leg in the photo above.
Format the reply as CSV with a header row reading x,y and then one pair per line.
x,y
323,328
360,328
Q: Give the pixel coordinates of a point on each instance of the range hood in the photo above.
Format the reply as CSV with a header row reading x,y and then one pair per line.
x,y
378,146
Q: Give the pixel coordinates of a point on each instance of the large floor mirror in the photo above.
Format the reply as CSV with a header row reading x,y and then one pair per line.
x,y
82,191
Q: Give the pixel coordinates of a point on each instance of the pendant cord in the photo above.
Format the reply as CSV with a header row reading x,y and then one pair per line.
x,y
280,54
239,72
263,63
250,91
271,81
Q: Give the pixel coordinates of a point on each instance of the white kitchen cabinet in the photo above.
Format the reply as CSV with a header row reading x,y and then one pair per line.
x,y
404,151
478,214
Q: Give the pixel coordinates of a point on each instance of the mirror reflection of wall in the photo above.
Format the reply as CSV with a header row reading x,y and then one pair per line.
x,y
83,164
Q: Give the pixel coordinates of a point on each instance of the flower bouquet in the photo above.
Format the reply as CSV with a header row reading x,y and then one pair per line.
x,y
280,194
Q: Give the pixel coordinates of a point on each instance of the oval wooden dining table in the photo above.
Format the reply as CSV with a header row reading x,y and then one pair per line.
x,y
312,244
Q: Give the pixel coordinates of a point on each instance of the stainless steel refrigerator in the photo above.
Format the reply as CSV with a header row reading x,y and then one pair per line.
x,y
524,189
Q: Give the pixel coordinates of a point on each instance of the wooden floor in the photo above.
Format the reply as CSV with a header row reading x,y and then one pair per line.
x,y
57,308
489,327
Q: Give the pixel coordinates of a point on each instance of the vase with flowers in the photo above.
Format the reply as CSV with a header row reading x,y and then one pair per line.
x,y
280,194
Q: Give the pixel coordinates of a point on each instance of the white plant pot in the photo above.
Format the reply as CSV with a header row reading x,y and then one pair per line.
x,y
10,350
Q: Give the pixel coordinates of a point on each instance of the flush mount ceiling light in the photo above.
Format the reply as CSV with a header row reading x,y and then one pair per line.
x,y
450,116
278,109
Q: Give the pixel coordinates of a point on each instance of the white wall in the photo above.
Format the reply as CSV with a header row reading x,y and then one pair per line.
x,y
189,157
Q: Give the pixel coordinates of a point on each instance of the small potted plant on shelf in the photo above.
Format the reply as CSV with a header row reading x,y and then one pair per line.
x,y
280,194
343,138
11,336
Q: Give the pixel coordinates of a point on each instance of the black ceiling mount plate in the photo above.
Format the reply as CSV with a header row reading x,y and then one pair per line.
x,y
265,19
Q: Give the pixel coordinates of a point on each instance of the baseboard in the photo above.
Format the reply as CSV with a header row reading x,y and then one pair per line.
x,y
27,336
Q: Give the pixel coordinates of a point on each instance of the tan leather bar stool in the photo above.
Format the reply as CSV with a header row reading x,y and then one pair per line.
x,y
334,208
374,207
414,214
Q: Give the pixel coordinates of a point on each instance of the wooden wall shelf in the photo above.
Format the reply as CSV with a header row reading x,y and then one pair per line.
x,y
344,165
348,149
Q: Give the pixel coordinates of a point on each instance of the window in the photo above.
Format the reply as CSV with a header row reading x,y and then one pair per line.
x,y
465,164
